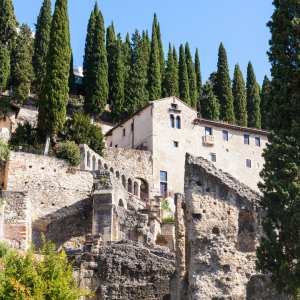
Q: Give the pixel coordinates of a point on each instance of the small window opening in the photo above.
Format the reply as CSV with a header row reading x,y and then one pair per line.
x,y
257,141
178,125
172,121
207,131
124,132
197,217
246,139
30,167
216,230
176,144
213,158
116,146
248,163
174,106
225,135
131,126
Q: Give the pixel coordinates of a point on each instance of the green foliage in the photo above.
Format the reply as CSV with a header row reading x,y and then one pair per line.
x,y
8,22
4,66
165,205
184,90
72,77
176,66
110,49
41,43
161,56
223,88
4,107
253,99
102,181
28,277
97,81
80,130
239,96
127,58
22,73
198,80
68,150
209,105
192,76
4,249
4,151
54,93
263,100
168,220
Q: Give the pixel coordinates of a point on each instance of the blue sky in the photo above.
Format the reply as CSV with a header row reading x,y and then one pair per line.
x,y
240,25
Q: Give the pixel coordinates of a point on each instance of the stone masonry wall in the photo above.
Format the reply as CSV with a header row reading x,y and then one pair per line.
x,y
61,206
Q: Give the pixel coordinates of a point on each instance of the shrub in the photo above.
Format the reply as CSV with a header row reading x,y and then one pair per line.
x,y
165,206
4,250
4,151
168,220
68,150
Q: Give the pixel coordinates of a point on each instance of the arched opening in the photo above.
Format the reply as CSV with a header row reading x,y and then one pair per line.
x,y
178,123
112,170
121,203
118,174
135,189
99,164
245,240
129,188
124,181
94,163
110,145
143,189
88,159
216,230
105,166
172,121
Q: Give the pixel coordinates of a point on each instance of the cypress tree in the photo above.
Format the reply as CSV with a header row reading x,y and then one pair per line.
x,y
154,79
54,93
72,77
161,55
22,73
223,88
176,66
192,76
209,103
171,79
41,43
253,99
148,42
263,100
97,82
117,87
239,97
198,80
127,60
4,66
110,48
278,252
184,90
88,47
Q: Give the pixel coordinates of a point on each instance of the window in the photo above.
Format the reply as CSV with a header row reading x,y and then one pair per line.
x,y
248,163
131,126
257,141
246,139
225,135
178,122
124,132
173,106
213,157
172,121
176,144
207,131
116,146
163,183
163,176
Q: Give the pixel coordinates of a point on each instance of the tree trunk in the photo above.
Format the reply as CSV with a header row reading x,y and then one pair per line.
x,y
47,144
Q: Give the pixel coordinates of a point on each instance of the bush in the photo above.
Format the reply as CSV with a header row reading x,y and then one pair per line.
x,y
165,206
168,220
68,150
4,151
4,250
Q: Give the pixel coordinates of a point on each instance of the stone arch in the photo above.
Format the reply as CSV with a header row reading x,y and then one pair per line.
x,y
144,189
124,181
112,169
99,164
121,203
178,122
172,121
245,240
135,189
88,159
105,167
129,186
118,174
94,163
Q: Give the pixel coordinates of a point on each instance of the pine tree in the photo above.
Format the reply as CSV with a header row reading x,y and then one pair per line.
x,y
263,100
184,90
198,80
253,99
209,106
161,56
171,76
117,87
127,60
22,73
110,48
54,93
97,82
223,88
154,79
41,43
278,253
88,47
239,96
72,77
191,75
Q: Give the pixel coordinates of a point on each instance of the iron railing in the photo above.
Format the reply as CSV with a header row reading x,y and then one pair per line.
x,y
33,151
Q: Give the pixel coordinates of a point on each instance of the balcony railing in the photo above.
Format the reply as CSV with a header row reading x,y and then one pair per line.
x,y
208,140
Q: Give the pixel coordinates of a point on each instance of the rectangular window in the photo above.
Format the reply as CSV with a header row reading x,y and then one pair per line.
x,y
246,139
124,132
131,126
225,135
248,163
207,131
173,106
257,141
213,158
116,146
176,144
163,176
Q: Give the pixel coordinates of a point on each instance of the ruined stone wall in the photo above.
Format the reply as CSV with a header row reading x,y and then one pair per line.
x,y
26,114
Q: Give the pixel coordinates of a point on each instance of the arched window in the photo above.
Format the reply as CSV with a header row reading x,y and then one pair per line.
x,y
121,203
118,174
99,164
172,121
112,170
129,185
94,163
124,181
105,166
135,189
178,125
88,159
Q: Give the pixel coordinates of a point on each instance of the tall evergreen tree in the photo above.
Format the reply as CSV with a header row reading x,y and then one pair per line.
x,y
127,60
278,252
191,75
88,47
263,100
171,76
54,93
161,56
184,90
154,79
117,87
148,42
97,82
176,66
110,48
22,73
198,80
253,99
138,94
209,103
239,96
41,43
72,77
223,88
4,66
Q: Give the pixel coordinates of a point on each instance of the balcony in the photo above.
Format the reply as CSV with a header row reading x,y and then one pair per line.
x,y
208,140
